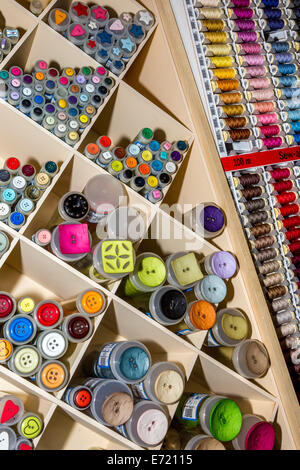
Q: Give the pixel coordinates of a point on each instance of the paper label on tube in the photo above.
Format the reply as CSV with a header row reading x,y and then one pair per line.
x,y
190,409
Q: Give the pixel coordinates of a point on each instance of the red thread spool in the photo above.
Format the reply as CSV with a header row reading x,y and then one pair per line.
x,y
282,186
296,260
269,131
289,209
280,173
285,198
295,246
293,234
297,273
291,222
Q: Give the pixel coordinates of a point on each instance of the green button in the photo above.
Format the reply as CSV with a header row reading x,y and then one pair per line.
x,y
86,71
31,427
152,271
117,256
225,420
147,133
186,269
26,360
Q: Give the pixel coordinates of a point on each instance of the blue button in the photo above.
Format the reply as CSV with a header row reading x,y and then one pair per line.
x,y
21,329
26,205
38,99
157,165
50,84
8,195
154,146
84,98
51,167
17,218
73,112
4,75
163,155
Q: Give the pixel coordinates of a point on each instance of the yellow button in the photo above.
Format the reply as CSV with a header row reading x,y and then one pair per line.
x,y
73,135
53,375
117,166
83,118
147,156
69,72
42,179
92,302
62,104
27,305
152,181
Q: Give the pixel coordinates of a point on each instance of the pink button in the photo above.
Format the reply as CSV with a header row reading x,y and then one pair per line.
x,y
16,71
43,65
101,71
96,80
74,239
16,83
44,236
6,305
63,81
156,194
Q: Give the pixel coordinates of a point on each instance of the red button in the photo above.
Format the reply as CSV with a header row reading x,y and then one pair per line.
x,y
6,305
13,163
28,170
82,398
78,327
48,314
105,141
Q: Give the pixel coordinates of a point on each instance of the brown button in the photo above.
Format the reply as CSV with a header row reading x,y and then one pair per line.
x,y
117,409
78,327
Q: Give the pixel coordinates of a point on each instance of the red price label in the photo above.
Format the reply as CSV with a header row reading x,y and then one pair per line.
x,y
268,157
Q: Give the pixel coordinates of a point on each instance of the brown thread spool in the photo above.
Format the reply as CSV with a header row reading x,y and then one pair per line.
x,y
266,255
231,98
277,291
261,230
251,192
255,205
280,304
235,122
258,217
248,179
233,110
239,134
264,242
273,279
270,267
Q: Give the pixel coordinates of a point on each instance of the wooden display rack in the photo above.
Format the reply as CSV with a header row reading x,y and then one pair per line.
x,y
156,90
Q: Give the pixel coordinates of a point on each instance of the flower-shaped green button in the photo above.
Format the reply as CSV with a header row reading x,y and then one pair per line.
x,y
117,256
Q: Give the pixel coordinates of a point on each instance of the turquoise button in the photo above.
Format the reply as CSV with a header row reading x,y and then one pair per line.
x,y
9,195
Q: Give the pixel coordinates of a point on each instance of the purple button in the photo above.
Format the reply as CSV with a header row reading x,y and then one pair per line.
x,y
176,156
50,109
14,95
80,79
72,100
212,219
223,264
27,79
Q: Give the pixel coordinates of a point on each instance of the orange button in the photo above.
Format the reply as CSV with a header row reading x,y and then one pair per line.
x,y
131,162
39,76
5,349
53,375
92,302
93,149
144,169
203,315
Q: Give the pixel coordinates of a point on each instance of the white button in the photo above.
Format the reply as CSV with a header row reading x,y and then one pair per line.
x,y
4,209
53,344
19,182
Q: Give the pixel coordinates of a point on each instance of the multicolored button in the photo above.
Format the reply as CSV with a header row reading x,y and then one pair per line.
x,y
91,302
8,306
20,329
26,360
30,426
79,327
6,350
83,398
